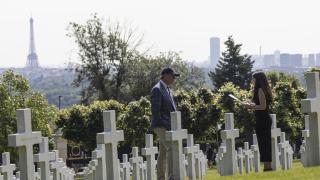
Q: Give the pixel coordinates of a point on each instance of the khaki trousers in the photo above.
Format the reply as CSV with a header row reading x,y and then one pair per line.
x,y
165,153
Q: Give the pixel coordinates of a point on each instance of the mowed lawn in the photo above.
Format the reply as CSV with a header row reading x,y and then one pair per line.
x,y
297,172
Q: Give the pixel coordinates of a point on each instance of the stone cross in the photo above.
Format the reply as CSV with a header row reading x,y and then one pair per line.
x,y
240,160
125,165
275,133
220,162
43,158
150,151
284,151
303,154
185,163
190,151
135,161
198,164
256,154
176,136
306,139
1,177
247,154
56,166
229,135
18,175
311,106
110,138
98,154
93,167
24,139
7,169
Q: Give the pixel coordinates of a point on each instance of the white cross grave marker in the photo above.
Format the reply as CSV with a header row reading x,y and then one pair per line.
x,y
229,135
306,139
275,133
176,136
98,154
43,158
110,138
135,161
7,169
150,151
190,151
311,105
125,165
24,139
256,153
247,154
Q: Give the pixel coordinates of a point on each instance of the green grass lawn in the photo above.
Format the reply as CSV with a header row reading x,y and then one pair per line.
x,y
297,172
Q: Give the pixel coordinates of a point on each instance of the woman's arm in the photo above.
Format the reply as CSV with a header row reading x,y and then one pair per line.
x,y
262,100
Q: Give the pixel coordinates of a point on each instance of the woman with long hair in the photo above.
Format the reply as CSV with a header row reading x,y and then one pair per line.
x,y
260,104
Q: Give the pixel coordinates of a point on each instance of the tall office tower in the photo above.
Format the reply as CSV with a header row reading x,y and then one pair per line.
x,y
32,59
277,57
311,60
269,60
296,60
285,60
214,51
318,60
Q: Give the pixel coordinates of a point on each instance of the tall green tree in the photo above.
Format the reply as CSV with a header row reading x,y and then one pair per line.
x,y
232,67
105,52
15,93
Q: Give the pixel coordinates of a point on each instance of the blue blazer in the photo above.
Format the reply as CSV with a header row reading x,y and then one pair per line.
x,y
161,106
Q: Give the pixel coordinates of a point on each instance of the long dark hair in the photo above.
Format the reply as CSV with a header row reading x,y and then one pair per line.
x,y
262,82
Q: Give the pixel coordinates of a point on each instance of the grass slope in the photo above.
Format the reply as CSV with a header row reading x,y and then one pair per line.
x,y
297,172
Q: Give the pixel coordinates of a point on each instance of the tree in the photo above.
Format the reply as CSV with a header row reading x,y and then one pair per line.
x,y
15,93
105,52
232,67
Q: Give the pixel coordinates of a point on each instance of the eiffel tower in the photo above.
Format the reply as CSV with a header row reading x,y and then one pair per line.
x,y
32,59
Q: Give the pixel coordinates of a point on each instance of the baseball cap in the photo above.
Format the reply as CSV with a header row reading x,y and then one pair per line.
x,y
169,71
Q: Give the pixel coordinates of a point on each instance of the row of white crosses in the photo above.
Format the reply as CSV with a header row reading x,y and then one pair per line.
x,y
310,150
230,161
106,163
24,140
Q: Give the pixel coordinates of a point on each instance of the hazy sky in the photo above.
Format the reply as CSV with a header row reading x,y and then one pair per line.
x,y
181,25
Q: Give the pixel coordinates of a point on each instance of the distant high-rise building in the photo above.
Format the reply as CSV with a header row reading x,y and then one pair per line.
x,y
214,51
285,60
277,57
311,60
296,60
318,60
269,60
32,60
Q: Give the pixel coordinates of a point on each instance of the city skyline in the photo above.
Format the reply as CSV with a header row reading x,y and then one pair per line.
x,y
187,26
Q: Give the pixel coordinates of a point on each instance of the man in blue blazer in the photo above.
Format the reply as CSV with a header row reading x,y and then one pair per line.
x,y
162,104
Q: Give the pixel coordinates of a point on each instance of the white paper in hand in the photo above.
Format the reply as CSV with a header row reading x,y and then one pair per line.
x,y
233,97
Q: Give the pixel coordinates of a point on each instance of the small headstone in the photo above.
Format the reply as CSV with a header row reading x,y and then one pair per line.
x,y
7,169
24,140
110,138
175,136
